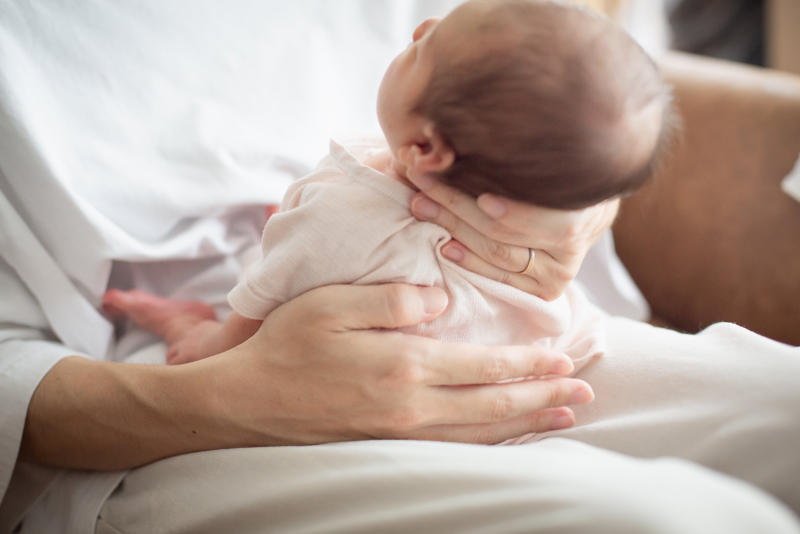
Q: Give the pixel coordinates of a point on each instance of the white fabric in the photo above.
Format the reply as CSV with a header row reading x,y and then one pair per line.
x,y
137,136
608,284
713,398
791,184
646,21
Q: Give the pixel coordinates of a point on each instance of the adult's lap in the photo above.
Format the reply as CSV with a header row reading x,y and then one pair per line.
x,y
404,486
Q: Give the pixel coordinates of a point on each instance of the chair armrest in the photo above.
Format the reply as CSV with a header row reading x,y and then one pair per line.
x,y
713,237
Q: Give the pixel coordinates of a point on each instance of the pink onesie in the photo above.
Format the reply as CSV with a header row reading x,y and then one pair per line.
x,y
347,223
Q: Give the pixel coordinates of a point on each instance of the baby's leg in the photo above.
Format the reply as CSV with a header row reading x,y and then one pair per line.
x,y
168,319
190,328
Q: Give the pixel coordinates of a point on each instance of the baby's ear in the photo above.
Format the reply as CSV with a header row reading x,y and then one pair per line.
x,y
432,154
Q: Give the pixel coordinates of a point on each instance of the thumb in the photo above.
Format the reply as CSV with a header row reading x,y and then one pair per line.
x,y
386,306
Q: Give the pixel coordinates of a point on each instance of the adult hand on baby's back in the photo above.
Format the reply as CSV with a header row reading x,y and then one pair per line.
x,y
325,367
493,236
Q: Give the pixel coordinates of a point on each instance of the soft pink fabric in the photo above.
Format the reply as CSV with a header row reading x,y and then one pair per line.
x,y
347,223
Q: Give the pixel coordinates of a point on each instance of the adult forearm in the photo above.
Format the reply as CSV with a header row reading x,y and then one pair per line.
x,y
100,415
323,367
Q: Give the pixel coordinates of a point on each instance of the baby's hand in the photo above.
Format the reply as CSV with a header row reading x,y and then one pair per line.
x,y
537,250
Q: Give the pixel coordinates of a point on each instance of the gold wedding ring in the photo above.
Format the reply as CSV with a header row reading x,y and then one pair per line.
x,y
528,268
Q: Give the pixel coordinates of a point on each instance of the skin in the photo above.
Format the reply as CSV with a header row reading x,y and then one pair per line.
x,y
500,231
415,150
326,367
189,328
321,368
493,235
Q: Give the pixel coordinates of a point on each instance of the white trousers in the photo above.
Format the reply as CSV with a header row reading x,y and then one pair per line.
x,y
686,434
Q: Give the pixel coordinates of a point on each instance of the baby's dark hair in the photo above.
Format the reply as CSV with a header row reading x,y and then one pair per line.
x,y
560,108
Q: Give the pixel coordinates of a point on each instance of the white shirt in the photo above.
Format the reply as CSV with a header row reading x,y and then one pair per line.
x,y
135,137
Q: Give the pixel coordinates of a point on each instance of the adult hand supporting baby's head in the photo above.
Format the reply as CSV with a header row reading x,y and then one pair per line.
x,y
497,237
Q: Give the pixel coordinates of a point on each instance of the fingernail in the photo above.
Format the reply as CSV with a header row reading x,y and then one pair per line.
x,y
581,395
562,421
453,252
424,208
492,206
562,366
434,300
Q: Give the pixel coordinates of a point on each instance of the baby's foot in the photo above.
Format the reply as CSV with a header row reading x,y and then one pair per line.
x,y
168,319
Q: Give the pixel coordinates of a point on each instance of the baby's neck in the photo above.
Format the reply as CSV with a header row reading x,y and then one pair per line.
x,y
384,162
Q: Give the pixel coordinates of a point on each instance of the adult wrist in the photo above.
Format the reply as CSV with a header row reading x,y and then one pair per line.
x,y
104,416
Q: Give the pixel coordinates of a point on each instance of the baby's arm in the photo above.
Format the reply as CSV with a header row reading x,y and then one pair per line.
x,y
190,328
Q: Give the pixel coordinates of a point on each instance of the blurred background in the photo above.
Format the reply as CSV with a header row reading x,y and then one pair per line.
x,y
759,32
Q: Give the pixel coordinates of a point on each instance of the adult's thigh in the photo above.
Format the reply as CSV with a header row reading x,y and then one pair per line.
x,y
725,398
557,486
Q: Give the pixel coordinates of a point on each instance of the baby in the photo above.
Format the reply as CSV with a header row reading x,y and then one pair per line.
x,y
539,101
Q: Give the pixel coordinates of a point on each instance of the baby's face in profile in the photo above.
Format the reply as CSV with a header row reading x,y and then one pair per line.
x,y
434,40
403,85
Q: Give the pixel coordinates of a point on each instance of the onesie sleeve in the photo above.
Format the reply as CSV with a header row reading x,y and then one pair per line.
x,y
329,233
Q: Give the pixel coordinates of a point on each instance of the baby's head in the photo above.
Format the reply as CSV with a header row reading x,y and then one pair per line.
x,y
540,101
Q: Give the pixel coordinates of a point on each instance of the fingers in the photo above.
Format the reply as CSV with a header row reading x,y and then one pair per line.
x,y
512,259
416,361
544,269
369,307
489,434
445,364
437,384
499,218
364,382
487,413
552,226
502,255
565,234
494,403
456,202
494,413
561,233
500,234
